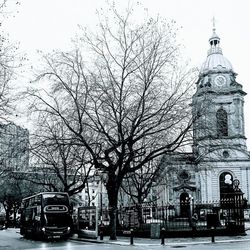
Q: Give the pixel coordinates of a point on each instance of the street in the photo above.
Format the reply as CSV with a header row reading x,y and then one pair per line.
x,y
10,239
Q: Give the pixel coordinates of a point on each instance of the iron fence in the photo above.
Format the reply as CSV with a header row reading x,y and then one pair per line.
x,y
185,216
225,216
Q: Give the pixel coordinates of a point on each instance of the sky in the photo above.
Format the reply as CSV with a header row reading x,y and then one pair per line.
x,y
50,24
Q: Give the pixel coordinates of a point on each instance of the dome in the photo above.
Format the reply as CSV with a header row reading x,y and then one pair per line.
x,y
215,60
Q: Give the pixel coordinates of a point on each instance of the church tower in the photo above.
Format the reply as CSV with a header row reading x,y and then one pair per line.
x,y
219,134
219,156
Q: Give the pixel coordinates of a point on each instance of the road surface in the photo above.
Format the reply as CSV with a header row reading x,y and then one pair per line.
x,y
10,239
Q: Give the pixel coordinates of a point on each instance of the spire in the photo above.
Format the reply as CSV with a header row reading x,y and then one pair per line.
x,y
214,42
215,60
213,25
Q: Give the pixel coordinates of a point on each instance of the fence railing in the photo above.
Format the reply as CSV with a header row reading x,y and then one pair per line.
x,y
226,214
180,216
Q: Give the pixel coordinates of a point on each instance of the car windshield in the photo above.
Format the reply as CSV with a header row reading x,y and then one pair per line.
x,y
55,199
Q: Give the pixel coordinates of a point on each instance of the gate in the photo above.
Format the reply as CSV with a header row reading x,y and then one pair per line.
x,y
233,209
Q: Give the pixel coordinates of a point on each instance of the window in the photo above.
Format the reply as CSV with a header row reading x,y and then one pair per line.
x,y
225,154
226,185
222,123
184,175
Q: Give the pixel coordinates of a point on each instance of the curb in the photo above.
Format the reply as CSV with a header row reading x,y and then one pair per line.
x,y
125,243
87,240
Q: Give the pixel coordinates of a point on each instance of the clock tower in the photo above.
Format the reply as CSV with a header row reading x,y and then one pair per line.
x,y
218,104
219,134
219,157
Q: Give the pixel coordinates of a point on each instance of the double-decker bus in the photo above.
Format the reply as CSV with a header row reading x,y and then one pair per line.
x,y
46,215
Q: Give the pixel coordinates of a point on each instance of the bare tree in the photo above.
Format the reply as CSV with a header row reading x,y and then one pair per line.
x,y
10,61
60,162
139,185
128,90
11,195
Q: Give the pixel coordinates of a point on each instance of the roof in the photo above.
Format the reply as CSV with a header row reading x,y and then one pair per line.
x,y
215,61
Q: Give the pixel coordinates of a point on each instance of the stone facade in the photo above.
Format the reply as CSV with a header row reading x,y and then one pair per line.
x,y
219,154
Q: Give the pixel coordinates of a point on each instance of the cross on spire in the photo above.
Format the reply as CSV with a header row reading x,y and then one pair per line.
x,y
214,21
214,40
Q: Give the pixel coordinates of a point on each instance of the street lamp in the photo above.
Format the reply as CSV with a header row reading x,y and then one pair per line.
x,y
100,175
100,198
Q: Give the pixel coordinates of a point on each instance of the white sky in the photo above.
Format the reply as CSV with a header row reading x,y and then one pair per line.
x,y
50,24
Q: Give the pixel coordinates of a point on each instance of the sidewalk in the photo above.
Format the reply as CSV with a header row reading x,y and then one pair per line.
x,y
124,241
121,240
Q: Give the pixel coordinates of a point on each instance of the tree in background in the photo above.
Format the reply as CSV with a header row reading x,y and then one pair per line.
x,y
11,195
138,186
12,191
59,162
10,61
122,95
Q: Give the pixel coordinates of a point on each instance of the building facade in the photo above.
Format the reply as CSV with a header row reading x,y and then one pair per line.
x,y
14,147
219,155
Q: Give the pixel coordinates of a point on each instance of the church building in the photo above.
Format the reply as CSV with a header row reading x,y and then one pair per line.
x,y
219,156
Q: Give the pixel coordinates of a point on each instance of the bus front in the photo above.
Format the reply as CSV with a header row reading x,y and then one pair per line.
x,y
57,220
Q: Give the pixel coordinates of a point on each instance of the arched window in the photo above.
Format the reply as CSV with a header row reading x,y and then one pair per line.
x,y
222,123
226,185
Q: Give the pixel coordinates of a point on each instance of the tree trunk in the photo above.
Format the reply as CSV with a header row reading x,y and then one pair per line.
x,y
7,217
139,208
112,224
140,214
112,191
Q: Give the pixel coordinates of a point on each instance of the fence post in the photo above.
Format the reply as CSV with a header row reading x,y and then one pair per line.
x,y
131,236
101,231
212,234
163,236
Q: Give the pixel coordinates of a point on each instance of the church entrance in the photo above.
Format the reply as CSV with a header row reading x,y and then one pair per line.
x,y
184,205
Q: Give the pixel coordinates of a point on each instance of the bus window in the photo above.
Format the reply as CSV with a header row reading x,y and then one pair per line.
x,y
55,199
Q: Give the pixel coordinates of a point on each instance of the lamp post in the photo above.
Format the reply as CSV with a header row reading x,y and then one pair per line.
x,y
100,199
192,199
99,206
100,175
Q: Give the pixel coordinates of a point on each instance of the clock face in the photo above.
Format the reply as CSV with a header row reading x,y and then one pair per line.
x,y
220,80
